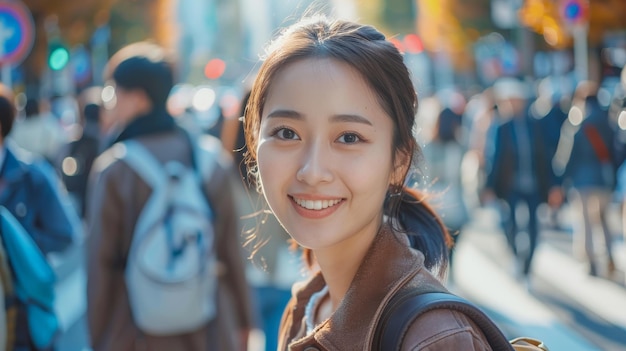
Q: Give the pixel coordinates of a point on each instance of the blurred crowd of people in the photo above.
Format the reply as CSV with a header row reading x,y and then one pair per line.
x,y
515,145
527,149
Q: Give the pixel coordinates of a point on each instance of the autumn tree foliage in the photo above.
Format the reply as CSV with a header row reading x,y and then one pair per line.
x,y
546,18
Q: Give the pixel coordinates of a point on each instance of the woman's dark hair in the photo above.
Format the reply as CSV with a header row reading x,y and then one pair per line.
x,y
380,63
7,110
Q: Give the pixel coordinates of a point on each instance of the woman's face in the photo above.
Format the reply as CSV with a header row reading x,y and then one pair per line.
x,y
325,154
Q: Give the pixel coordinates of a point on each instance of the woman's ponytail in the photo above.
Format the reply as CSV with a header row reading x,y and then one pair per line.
x,y
409,213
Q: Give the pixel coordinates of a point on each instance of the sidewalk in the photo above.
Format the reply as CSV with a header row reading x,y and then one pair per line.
x,y
482,274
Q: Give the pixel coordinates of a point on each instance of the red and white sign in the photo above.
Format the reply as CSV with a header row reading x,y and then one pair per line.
x,y
16,32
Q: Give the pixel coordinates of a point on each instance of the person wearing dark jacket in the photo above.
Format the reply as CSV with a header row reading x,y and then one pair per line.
x,y
519,170
77,157
585,159
31,191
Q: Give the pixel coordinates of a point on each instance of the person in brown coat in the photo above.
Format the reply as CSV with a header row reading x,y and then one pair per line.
x,y
141,77
329,131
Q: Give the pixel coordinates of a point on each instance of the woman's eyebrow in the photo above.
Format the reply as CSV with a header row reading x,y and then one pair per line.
x,y
350,118
340,118
285,114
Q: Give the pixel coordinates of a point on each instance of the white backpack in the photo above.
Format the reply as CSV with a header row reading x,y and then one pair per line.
x,y
171,267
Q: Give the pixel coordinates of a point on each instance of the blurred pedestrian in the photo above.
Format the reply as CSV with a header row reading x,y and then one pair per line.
x,y
31,192
141,77
76,158
585,159
620,193
39,131
479,120
550,110
7,316
617,113
443,156
519,173
329,134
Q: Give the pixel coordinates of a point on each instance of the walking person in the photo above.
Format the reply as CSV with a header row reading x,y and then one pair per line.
x,y
76,157
617,114
519,173
549,109
29,190
585,159
329,133
39,131
443,156
217,313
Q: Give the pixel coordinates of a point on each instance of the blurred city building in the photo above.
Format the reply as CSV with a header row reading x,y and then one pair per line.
x,y
451,42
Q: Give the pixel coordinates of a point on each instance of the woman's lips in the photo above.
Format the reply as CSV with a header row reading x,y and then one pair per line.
x,y
315,208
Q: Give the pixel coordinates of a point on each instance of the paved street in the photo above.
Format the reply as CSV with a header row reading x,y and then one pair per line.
x,y
564,306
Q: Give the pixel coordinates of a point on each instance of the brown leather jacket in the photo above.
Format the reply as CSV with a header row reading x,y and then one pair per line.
x,y
389,267
116,199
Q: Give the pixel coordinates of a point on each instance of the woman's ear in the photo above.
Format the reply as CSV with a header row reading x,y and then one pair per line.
x,y
402,163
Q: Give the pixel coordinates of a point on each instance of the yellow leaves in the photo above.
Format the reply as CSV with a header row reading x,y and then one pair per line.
x,y
433,8
441,30
533,12
438,27
544,17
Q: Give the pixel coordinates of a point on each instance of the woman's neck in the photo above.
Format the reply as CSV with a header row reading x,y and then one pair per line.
x,y
338,274
340,263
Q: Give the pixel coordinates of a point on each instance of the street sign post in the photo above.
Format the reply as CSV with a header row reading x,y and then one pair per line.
x,y
16,36
575,14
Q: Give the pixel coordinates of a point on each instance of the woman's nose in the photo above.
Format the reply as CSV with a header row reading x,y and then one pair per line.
x,y
315,165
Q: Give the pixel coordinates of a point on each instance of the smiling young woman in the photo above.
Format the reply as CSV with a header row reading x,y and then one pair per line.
x,y
329,133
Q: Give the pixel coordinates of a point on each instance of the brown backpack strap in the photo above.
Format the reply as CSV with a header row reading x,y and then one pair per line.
x,y
402,310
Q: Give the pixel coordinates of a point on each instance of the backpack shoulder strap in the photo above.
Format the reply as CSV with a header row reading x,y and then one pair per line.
x,y
141,161
206,154
598,145
403,310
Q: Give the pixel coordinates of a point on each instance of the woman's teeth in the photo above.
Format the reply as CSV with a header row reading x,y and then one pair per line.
x,y
316,204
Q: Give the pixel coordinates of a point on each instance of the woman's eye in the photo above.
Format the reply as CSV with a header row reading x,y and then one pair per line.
x,y
287,134
349,138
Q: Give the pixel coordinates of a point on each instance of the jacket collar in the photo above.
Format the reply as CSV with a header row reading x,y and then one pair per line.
x,y
156,121
12,168
12,171
388,266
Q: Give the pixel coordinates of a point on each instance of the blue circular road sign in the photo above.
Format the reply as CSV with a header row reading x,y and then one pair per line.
x,y
16,32
575,11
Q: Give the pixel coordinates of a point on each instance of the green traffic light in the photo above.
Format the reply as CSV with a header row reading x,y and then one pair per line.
x,y
59,57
